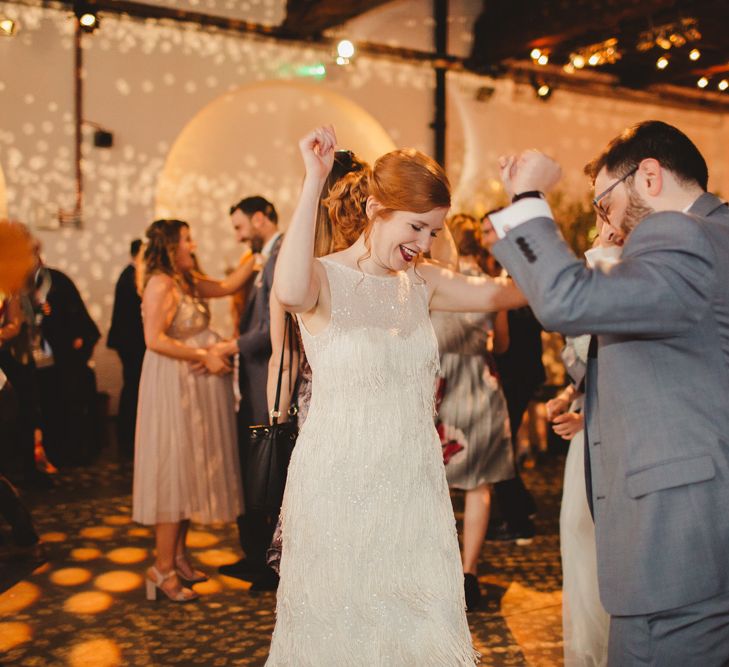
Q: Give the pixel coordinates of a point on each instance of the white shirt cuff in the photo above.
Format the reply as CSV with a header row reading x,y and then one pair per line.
x,y
522,211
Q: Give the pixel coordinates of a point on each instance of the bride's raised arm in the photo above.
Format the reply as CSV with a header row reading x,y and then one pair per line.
x,y
455,292
296,282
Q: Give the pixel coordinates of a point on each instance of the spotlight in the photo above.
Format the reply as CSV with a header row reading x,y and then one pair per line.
x,y
345,49
695,54
543,59
7,27
723,84
85,12
543,90
702,82
88,22
662,62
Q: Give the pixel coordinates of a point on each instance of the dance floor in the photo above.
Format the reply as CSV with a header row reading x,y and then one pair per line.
x,y
86,605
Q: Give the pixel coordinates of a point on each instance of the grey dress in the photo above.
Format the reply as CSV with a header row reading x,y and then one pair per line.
x,y
473,418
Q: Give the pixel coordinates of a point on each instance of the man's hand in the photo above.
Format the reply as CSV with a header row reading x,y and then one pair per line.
x,y
568,425
531,170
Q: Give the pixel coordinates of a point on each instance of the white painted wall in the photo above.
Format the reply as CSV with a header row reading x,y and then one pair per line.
x,y
156,85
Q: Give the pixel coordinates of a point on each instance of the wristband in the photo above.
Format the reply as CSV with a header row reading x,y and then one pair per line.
x,y
529,194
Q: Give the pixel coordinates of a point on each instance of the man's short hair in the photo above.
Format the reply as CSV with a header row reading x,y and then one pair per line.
x,y
652,139
134,247
256,204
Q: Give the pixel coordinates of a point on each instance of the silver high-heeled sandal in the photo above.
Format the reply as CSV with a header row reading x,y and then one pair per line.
x,y
154,581
198,577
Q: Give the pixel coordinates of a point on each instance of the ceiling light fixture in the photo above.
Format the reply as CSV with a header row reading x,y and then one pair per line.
x,y
7,27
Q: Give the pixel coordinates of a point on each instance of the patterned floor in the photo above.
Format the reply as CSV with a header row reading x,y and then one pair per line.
x,y
86,606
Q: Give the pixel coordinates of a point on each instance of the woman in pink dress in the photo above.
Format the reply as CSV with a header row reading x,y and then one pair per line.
x,y
186,456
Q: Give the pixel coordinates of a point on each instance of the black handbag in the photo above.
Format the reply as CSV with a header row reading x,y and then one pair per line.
x,y
270,448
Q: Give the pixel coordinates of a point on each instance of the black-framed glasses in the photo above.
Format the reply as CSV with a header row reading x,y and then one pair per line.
x,y
596,201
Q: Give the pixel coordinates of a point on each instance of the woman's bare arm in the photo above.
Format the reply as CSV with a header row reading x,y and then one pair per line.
x,y
297,283
455,292
290,362
209,288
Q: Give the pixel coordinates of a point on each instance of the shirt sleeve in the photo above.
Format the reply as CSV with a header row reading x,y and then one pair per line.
x,y
518,213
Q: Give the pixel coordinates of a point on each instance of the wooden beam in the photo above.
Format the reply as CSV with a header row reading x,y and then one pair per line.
x,y
309,18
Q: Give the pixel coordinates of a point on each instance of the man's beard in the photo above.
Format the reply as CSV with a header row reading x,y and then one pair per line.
x,y
635,211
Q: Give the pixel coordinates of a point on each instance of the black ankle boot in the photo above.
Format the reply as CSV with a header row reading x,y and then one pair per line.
x,y
473,592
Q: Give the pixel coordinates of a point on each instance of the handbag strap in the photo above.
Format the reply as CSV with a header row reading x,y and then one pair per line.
x,y
288,331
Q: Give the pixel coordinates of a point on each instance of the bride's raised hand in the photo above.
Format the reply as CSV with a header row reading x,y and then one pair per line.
x,y
317,149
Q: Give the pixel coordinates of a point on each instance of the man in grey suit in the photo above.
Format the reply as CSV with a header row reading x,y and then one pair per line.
x,y
255,221
657,444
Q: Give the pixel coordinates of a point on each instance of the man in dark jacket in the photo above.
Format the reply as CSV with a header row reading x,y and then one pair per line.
x,y
126,336
67,383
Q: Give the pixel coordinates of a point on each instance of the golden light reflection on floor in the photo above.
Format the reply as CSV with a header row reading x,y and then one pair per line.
x,y
216,557
89,602
531,617
70,576
95,653
139,532
208,587
18,597
85,554
235,584
43,568
199,539
97,532
118,520
14,634
126,555
118,581
54,537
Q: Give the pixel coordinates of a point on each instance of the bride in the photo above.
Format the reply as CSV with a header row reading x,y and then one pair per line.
x,y
370,568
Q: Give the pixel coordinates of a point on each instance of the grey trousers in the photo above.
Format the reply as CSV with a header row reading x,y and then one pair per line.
x,y
696,635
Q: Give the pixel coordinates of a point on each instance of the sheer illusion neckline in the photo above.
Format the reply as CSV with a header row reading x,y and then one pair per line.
x,y
395,276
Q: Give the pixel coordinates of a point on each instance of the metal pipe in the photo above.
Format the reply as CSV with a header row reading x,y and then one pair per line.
x,y
440,14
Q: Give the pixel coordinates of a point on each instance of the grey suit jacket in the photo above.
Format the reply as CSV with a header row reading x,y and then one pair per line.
x,y
659,439
254,346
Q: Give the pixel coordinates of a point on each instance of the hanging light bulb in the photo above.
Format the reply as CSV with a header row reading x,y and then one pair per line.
x,y
695,54
723,84
543,59
535,54
702,82
578,61
662,62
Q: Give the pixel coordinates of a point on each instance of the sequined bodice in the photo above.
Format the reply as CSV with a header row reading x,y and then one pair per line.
x,y
379,348
192,317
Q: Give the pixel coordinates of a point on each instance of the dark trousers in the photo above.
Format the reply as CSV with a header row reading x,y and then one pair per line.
x,y
514,500
127,416
11,507
696,635
71,428
255,528
17,515
19,453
